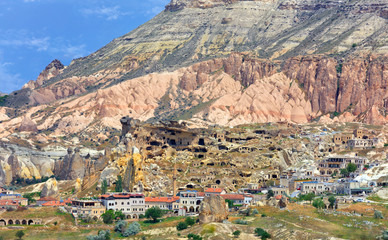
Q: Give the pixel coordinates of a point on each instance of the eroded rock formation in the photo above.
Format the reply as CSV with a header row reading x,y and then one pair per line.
x,y
50,188
213,209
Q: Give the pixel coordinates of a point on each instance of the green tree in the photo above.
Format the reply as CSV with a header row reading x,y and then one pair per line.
x,y
181,226
190,221
344,172
119,184
108,216
351,167
154,213
119,215
19,234
318,203
236,233
332,201
270,194
262,233
104,186
230,203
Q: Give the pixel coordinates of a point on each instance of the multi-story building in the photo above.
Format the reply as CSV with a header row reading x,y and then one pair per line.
x,y
132,205
190,201
363,143
315,187
165,203
87,208
333,164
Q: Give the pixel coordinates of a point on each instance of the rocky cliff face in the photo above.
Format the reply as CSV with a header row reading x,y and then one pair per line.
x,y
295,61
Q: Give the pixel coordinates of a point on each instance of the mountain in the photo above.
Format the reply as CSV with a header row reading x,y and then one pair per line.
x,y
228,62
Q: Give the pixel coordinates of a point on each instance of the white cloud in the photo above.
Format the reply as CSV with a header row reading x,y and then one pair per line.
x,y
23,39
71,51
9,81
109,13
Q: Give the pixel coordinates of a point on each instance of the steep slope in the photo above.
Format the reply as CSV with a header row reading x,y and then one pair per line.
x,y
297,60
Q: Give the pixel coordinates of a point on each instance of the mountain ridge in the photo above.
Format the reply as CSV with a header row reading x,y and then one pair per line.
x,y
334,51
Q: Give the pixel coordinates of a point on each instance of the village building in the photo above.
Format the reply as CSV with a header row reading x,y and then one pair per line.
x,y
132,205
164,203
333,164
363,143
44,200
190,201
9,197
342,138
214,191
280,190
87,208
315,187
236,199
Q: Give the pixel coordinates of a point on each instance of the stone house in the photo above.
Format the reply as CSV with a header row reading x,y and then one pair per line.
x,y
215,191
315,187
333,164
131,204
164,203
190,201
280,190
87,208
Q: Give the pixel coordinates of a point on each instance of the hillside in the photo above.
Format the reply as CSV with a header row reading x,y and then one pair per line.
x,y
225,62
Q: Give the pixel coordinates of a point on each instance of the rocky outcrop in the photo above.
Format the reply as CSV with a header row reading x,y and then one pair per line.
x,y
71,167
27,125
52,70
213,209
357,86
50,189
15,166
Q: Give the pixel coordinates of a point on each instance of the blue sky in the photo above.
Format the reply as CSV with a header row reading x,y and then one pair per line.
x,y
35,32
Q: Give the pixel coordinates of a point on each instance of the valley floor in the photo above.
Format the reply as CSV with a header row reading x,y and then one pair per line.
x,y
295,222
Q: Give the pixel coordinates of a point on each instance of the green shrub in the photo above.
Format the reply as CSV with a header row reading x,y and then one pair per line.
x,y
133,229
254,212
241,222
194,236
190,221
262,233
102,235
378,215
120,226
181,226
236,233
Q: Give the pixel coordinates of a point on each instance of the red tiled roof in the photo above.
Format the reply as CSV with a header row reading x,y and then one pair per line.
x,y
161,199
9,202
200,194
53,203
278,197
233,196
213,190
47,199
